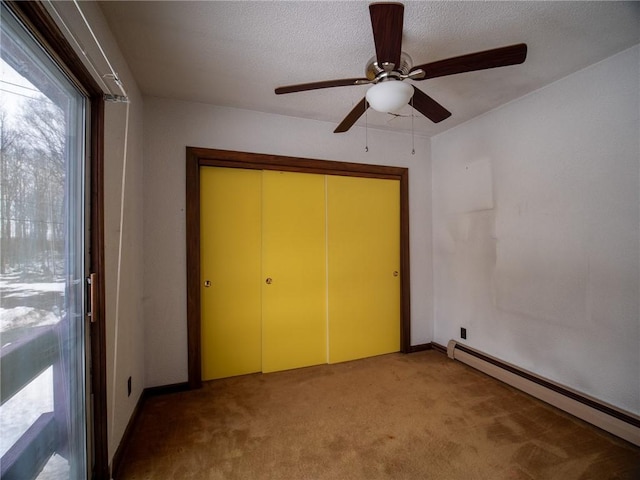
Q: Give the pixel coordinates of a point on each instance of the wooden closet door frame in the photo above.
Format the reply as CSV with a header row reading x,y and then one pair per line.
x,y
205,157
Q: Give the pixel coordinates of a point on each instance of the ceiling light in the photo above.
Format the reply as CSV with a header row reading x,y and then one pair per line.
x,y
389,96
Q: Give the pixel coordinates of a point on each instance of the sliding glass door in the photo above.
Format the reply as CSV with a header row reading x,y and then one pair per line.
x,y
43,127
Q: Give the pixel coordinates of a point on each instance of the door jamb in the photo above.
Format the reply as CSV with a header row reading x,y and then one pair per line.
x,y
202,157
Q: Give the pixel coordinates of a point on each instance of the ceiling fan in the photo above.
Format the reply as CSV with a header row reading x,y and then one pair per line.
x,y
388,69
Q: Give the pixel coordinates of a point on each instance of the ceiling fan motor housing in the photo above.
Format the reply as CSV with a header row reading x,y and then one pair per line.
x,y
376,73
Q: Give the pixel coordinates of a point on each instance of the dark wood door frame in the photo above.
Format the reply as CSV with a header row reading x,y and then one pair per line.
x,y
203,157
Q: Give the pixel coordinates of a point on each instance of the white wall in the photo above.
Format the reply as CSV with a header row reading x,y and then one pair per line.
x,y
170,126
536,231
124,323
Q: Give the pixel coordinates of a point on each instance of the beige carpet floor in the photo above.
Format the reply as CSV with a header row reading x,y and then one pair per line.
x,y
417,416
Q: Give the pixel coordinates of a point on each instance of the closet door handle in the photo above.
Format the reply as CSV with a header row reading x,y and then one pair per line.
x,y
395,273
269,281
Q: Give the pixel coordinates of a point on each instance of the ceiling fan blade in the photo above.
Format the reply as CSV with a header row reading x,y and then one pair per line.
x,y
428,106
386,21
353,116
344,82
497,57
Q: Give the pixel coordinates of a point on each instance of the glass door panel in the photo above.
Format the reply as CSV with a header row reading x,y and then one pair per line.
x,y
42,263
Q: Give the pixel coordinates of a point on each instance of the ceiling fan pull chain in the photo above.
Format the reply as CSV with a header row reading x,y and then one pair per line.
x,y
413,145
366,129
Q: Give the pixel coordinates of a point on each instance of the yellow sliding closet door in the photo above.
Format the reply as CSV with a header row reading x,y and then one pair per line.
x,y
363,267
296,269
293,271
230,256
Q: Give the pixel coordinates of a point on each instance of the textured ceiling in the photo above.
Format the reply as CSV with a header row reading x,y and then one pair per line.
x,y
235,53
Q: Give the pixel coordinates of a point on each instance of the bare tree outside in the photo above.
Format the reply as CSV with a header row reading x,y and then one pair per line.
x,y
32,172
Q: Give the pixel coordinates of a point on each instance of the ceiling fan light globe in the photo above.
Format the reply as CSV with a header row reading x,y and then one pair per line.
x,y
389,96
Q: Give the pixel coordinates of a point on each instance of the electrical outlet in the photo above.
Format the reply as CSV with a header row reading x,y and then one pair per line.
x,y
463,333
129,387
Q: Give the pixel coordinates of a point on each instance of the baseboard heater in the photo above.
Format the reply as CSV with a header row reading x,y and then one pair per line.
x,y
607,417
